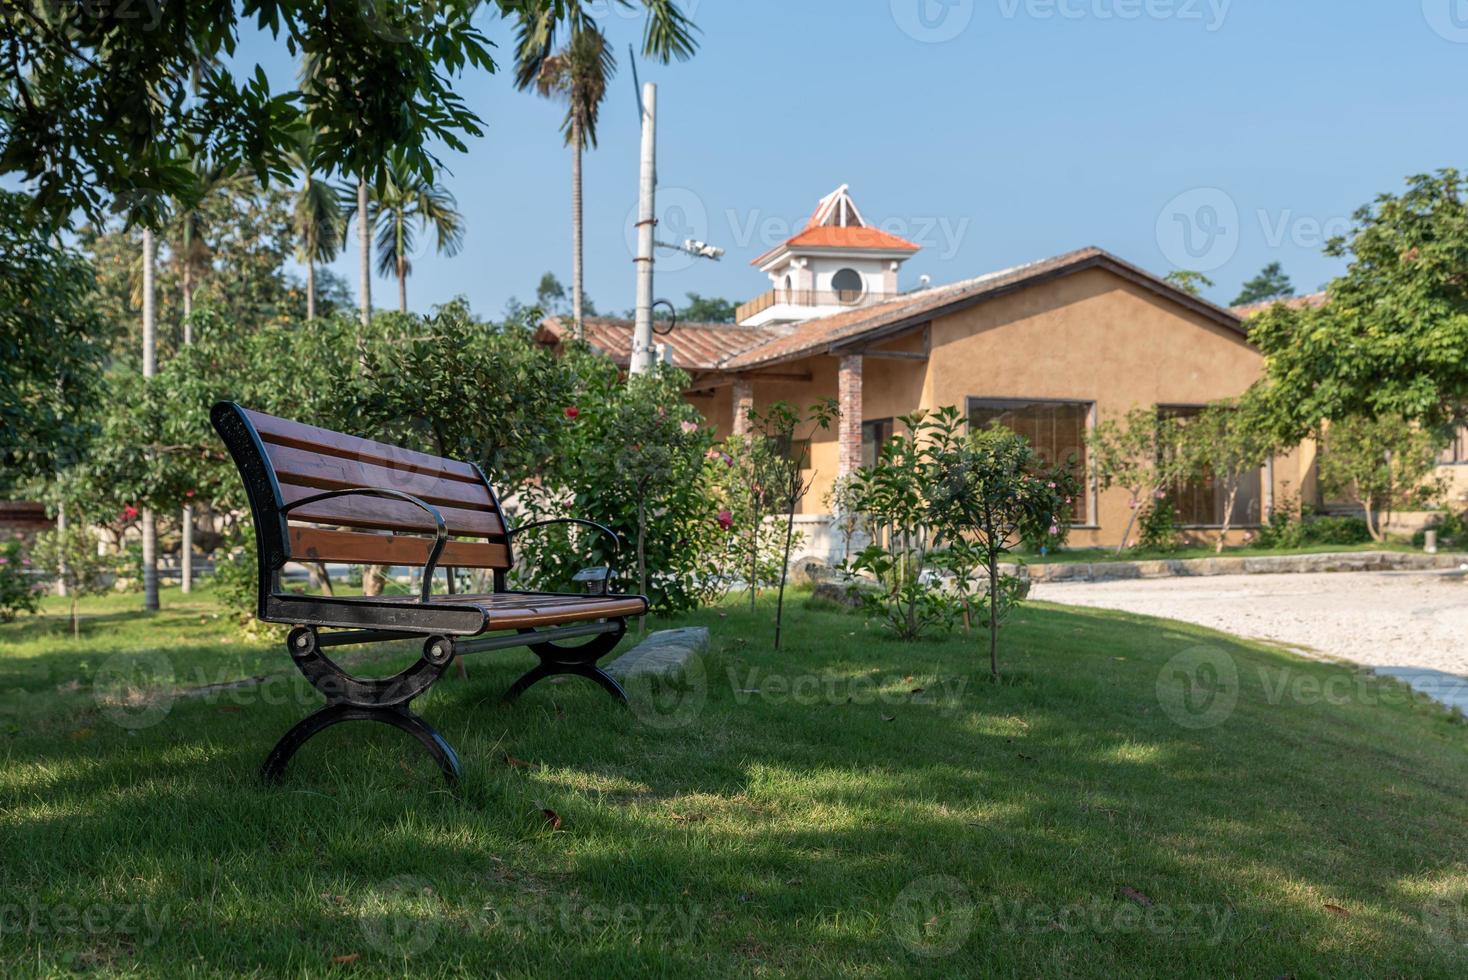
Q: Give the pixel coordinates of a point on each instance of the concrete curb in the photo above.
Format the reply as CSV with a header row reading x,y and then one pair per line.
x,y
661,653
1355,561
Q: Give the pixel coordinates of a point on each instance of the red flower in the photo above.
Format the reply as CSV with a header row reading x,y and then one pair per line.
x,y
726,519
129,513
572,411
189,494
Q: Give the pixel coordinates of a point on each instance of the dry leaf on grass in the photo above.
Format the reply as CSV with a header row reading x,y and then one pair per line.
x,y
347,958
1336,910
515,763
1132,895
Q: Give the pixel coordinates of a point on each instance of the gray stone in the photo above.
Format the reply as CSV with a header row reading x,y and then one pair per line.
x,y
813,571
848,593
661,653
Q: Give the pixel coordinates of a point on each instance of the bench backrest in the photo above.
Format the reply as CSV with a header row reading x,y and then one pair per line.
x,y
282,462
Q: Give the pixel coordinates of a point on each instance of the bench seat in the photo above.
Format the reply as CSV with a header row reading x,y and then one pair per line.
x,y
455,615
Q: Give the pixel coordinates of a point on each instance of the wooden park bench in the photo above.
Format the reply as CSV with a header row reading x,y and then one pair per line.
x,y
317,495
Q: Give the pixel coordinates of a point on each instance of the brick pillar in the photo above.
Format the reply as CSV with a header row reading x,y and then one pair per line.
x,y
848,398
743,396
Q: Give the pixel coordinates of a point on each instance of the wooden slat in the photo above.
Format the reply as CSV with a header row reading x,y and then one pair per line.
x,y
383,514
516,610
304,467
316,544
284,432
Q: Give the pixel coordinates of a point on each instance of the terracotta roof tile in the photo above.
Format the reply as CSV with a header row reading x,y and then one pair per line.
x,y
700,346
1294,302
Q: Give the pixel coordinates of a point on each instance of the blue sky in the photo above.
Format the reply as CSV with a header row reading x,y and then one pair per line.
x,y
1213,134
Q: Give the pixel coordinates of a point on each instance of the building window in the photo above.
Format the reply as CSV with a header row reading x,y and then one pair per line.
x,y
1200,502
848,285
874,436
1056,430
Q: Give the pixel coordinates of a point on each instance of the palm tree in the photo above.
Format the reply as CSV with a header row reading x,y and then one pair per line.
x,y
150,354
364,245
403,206
317,219
579,75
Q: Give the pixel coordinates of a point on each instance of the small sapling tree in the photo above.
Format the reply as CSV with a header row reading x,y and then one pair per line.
x,y
991,490
1138,453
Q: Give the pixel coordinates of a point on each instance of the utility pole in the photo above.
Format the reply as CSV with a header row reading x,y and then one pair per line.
x,y
150,367
642,348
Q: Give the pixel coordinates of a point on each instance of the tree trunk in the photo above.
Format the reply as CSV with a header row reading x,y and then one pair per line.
x,y
374,578
61,533
364,246
402,286
1228,516
320,577
1373,526
641,560
186,518
76,629
784,571
993,616
310,287
150,365
576,230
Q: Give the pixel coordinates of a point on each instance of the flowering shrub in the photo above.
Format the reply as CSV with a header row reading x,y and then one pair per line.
x,y
633,455
18,593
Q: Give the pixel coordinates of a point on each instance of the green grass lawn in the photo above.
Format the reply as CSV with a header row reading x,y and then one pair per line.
x,y
849,806
1208,551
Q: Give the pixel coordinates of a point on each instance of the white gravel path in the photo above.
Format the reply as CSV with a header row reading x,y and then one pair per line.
x,y
1377,619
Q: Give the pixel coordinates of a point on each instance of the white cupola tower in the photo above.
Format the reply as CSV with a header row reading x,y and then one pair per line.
x,y
836,262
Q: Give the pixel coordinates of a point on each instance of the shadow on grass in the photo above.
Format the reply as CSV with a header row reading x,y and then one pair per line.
x,y
808,805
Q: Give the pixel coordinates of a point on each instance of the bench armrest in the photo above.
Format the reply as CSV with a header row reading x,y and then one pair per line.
x,y
606,531
440,529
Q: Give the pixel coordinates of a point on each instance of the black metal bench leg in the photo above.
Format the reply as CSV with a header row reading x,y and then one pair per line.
x,y
576,661
398,716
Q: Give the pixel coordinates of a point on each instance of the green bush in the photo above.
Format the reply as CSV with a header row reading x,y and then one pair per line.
x,y
18,591
1160,529
1451,528
1289,529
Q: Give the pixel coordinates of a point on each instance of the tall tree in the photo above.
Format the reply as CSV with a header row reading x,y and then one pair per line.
x,y
407,205
316,217
94,98
1189,281
1389,340
579,75
1270,283
150,364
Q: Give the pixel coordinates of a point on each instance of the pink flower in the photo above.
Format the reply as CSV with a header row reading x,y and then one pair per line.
x,y
572,411
726,519
1160,494
1055,530
189,494
1067,499
689,428
1132,503
1052,484
26,562
4,560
